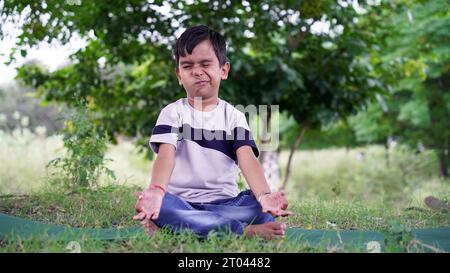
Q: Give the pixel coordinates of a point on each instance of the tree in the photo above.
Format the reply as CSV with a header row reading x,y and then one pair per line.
x,y
415,61
278,55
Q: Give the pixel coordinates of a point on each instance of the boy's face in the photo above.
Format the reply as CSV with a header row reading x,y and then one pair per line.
x,y
200,72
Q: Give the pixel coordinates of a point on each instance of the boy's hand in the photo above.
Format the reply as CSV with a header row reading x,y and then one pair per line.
x,y
275,203
148,205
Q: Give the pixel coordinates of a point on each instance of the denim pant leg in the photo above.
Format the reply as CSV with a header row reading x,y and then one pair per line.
x,y
177,215
244,208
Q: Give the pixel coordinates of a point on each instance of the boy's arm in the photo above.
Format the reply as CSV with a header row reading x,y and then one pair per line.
x,y
163,166
252,170
149,201
274,203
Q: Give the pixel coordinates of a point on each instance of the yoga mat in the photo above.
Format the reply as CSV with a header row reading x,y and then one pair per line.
x,y
12,226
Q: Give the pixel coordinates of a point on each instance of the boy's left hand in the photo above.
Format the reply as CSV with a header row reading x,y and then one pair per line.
x,y
148,224
275,203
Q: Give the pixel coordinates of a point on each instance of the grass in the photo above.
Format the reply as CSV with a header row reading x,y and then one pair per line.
x,y
328,189
93,209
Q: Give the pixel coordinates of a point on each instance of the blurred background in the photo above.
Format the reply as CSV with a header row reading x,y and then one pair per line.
x,y
362,88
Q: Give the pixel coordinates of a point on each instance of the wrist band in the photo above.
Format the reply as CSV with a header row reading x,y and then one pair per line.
x,y
158,187
259,198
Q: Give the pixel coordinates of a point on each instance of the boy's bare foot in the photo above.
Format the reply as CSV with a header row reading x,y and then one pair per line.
x,y
268,231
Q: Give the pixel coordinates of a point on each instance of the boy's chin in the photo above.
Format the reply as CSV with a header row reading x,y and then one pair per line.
x,y
202,93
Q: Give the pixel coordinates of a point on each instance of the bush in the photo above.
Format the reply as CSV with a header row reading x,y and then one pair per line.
x,y
85,160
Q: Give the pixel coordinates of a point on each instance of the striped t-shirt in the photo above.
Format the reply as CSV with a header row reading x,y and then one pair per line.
x,y
206,143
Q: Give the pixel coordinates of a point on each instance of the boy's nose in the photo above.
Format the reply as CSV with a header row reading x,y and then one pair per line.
x,y
197,71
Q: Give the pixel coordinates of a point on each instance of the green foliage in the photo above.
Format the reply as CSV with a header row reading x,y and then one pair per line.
x,y
389,59
331,134
415,63
277,56
371,126
86,150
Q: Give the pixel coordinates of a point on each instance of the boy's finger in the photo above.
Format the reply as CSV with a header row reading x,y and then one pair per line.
x,y
273,212
279,232
139,216
155,216
148,216
139,208
138,194
282,213
280,227
286,213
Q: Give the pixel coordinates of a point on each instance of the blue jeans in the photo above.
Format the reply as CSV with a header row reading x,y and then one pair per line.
x,y
230,214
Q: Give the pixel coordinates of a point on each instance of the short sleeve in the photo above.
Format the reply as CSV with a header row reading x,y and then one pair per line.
x,y
242,135
166,129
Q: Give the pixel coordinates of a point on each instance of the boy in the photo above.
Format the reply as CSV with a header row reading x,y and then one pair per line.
x,y
193,179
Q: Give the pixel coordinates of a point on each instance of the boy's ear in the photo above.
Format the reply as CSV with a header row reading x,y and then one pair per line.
x,y
177,72
224,70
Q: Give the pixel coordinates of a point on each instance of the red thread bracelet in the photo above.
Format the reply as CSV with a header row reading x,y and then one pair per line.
x,y
159,187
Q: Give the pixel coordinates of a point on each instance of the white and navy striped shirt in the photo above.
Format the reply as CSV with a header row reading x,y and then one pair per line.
x,y
206,143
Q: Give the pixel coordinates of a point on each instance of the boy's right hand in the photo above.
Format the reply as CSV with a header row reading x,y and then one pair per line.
x,y
275,203
148,205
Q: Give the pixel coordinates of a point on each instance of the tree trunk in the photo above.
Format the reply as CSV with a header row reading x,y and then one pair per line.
x,y
386,152
443,164
437,130
448,157
271,166
269,159
291,154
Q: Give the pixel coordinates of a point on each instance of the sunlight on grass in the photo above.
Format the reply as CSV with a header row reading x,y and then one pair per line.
x,y
402,179
24,157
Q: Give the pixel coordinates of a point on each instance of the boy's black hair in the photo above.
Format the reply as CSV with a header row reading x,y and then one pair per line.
x,y
193,36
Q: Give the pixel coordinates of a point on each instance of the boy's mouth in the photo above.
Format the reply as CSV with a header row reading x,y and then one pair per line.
x,y
201,83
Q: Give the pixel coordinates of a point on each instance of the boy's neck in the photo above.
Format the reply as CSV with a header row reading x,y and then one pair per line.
x,y
203,104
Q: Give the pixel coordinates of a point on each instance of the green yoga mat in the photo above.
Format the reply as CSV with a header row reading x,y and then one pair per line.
x,y
11,226
427,239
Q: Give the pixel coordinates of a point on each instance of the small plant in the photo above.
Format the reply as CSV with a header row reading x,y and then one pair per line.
x,y
86,149
398,236
336,189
